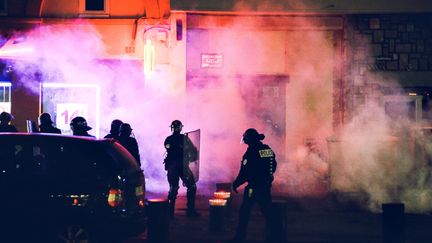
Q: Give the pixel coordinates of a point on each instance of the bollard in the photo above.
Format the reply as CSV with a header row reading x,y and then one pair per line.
x,y
158,220
393,223
217,214
280,217
224,186
227,196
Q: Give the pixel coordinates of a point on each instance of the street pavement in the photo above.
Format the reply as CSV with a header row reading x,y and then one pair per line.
x,y
308,220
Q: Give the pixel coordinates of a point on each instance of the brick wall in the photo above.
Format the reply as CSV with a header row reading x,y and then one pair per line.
x,y
397,42
384,44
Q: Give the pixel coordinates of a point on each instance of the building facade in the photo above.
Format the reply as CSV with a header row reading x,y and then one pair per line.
x,y
121,29
300,73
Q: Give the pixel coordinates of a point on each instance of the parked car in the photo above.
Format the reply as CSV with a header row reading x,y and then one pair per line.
x,y
57,188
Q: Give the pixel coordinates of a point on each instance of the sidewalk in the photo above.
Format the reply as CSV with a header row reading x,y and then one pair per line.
x,y
308,220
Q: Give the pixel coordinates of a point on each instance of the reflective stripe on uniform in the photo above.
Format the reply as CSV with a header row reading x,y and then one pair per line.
x,y
250,192
265,153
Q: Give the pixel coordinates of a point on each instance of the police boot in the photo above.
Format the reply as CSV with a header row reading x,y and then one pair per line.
x,y
171,208
191,212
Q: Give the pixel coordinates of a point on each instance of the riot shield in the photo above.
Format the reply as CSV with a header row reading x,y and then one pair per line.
x,y
191,154
31,126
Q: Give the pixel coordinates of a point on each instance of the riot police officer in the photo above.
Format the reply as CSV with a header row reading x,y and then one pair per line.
x,y
179,152
130,143
46,124
115,129
79,127
5,120
257,167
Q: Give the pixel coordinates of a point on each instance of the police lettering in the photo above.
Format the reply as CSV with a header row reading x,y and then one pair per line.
x,y
265,153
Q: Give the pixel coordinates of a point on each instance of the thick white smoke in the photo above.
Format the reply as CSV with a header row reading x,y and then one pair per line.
x,y
371,154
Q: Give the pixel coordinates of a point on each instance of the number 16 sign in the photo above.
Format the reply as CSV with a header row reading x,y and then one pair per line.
x,y
68,111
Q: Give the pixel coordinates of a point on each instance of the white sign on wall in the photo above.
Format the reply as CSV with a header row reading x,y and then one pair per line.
x,y
65,101
68,111
211,60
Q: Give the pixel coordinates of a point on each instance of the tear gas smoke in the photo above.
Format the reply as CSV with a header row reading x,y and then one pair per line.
x,y
222,109
369,156
382,154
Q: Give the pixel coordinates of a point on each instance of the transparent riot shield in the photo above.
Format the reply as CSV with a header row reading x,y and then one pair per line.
x,y
191,155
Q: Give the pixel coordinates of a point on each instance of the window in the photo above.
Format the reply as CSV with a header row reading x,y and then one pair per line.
x,y
403,107
22,158
94,8
5,96
79,165
95,5
3,7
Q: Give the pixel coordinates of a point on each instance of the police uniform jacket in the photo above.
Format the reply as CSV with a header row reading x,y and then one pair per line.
x,y
131,145
7,128
180,150
48,128
257,166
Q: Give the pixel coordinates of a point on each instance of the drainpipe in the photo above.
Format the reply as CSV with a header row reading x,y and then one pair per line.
x,y
41,7
134,29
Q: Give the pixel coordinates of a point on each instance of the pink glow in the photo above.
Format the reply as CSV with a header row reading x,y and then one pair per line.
x,y
222,195
14,49
15,52
223,110
217,202
219,110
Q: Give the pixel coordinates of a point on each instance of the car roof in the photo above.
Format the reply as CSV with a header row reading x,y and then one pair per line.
x,y
78,140
52,137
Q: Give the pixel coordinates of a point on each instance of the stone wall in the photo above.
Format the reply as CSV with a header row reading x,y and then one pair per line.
x,y
397,42
381,45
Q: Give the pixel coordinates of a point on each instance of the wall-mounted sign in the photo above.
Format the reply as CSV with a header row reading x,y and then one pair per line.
x,y
211,60
270,91
64,101
68,111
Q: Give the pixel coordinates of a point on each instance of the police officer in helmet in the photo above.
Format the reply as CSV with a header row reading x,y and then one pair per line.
x,y
46,125
257,167
115,129
129,142
177,145
5,122
79,127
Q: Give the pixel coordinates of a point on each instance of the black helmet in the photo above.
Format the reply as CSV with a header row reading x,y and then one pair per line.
x,y
251,135
125,129
115,126
176,125
79,123
45,118
6,117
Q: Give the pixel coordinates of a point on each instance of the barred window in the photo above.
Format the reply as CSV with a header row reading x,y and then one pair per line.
x,y
3,7
95,5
